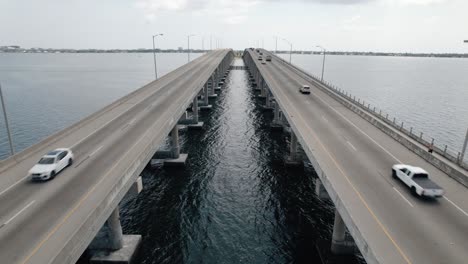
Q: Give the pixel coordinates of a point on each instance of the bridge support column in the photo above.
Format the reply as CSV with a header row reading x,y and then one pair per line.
x,y
110,245
259,87
268,99
177,159
285,123
340,245
276,123
216,84
213,87
320,190
268,104
293,158
194,122
206,105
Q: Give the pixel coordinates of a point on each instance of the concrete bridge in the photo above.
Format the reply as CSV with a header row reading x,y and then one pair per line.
x,y
352,151
57,221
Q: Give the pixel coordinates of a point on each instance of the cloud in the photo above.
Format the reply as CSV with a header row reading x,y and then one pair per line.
x,y
415,2
231,11
353,24
352,19
339,2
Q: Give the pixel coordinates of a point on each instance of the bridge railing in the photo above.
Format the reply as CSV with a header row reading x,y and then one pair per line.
x,y
444,151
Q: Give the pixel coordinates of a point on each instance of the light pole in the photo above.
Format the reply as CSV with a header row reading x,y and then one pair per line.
x,y
323,60
12,151
154,56
188,47
290,50
276,44
465,143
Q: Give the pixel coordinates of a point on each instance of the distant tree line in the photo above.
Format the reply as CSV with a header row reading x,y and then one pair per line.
x,y
18,49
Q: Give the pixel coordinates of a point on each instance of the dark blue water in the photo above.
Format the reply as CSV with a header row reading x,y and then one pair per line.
x,y
235,202
428,94
45,93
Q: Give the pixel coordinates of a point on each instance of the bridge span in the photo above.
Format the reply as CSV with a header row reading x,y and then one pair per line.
x,y
55,222
353,160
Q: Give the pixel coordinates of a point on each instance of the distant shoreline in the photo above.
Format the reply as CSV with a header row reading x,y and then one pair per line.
x,y
16,49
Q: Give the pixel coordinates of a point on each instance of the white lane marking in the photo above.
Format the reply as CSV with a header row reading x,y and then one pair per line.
x,y
364,133
13,185
374,216
384,149
456,206
307,102
83,198
94,132
326,120
18,213
132,121
95,151
110,121
349,143
404,198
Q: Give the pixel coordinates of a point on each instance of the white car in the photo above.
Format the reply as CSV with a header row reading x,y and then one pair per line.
x,y
417,180
51,164
305,89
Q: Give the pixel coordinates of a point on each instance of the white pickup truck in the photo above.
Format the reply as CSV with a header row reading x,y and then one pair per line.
x,y
417,179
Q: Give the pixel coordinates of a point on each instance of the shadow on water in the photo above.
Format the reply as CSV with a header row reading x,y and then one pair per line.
x,y
234,201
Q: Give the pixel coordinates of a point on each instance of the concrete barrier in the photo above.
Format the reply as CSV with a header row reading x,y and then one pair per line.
x,y
22,155
455,172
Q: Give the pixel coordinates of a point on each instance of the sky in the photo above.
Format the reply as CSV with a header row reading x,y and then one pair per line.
x,y
438,26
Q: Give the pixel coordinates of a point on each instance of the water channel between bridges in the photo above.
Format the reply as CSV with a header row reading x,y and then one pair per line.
x,y
235,201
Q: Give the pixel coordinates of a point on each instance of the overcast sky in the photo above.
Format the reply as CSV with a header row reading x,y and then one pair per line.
x,y
360,25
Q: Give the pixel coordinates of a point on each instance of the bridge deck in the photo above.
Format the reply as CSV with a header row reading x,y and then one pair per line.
x,y
356,158
57,219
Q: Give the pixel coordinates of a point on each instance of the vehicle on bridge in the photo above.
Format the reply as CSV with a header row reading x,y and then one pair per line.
x,y
417,180
260,58
51,164
263,62
305,89
268,58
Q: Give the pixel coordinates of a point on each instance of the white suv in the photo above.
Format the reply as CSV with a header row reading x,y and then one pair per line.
x,y
51,164
305,89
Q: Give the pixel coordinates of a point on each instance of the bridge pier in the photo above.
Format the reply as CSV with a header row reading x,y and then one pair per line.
x,y
192,123
259,87
111,246
212,90
284,122
293,159
176,159
276,123
205,105
340,245
320,191
268,104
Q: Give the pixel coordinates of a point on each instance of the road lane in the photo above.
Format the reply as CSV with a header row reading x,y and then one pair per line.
x,y
62,203
369,168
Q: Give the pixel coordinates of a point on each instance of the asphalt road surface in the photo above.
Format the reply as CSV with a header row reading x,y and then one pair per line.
x,y
37,219
357,157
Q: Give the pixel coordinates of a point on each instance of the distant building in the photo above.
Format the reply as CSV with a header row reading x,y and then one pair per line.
x,y
9,48
180,48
